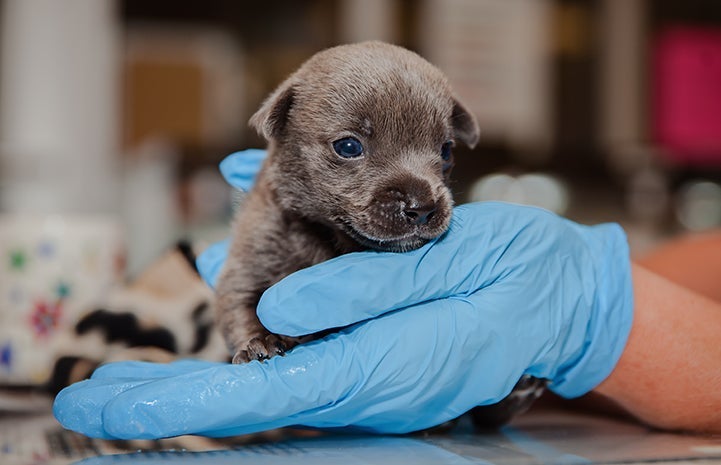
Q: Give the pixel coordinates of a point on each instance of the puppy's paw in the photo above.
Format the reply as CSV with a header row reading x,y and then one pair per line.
x,y
260,348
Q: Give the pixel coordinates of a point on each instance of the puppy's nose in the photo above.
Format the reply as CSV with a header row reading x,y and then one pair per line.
x,y
419,214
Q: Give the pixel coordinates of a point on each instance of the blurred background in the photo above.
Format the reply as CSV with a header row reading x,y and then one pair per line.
x,y
602,110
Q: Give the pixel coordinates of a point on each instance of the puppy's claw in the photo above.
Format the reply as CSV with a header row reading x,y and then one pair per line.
x,y
260,348
241,357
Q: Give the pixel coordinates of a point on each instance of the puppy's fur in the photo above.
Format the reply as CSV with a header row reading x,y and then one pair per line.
x,y
310,204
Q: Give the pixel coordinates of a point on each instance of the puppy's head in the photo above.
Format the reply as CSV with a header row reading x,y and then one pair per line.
x,y
361,138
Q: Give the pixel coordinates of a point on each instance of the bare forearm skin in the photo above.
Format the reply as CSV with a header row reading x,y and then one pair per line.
x,y
691,260
669,375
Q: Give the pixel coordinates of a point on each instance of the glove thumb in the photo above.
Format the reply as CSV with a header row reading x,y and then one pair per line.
x,y
211,261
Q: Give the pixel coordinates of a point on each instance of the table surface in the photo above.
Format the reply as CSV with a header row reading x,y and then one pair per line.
x,y
545,436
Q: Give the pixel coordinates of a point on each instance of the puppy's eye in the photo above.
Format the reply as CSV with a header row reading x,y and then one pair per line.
x,y
348,147
446,150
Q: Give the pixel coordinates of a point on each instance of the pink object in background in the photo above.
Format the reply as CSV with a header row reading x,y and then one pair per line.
x,y
686,101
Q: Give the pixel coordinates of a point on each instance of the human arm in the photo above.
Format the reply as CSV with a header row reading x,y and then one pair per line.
x,y
670,371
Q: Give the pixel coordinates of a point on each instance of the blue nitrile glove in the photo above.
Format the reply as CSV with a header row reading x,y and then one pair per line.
x,y
508,290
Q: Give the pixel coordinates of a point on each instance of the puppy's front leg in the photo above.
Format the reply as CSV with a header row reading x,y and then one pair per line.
x,y
267,246
246,338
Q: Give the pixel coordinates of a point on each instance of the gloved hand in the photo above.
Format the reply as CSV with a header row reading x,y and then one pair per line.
x,y
508,290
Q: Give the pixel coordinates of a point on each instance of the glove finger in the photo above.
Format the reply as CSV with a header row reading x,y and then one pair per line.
x,y
225,396
148,370
79,407
240,168
210,262
363,285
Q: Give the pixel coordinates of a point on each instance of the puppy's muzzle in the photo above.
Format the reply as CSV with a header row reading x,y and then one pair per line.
x,y
410,205
404,214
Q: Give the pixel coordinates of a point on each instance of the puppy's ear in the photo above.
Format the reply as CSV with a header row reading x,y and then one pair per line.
x,y
272,116
465,127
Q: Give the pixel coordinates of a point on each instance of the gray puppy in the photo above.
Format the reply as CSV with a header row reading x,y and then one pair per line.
x,y
359,155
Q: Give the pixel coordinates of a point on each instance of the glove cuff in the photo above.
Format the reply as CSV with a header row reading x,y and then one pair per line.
x,y
611,318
